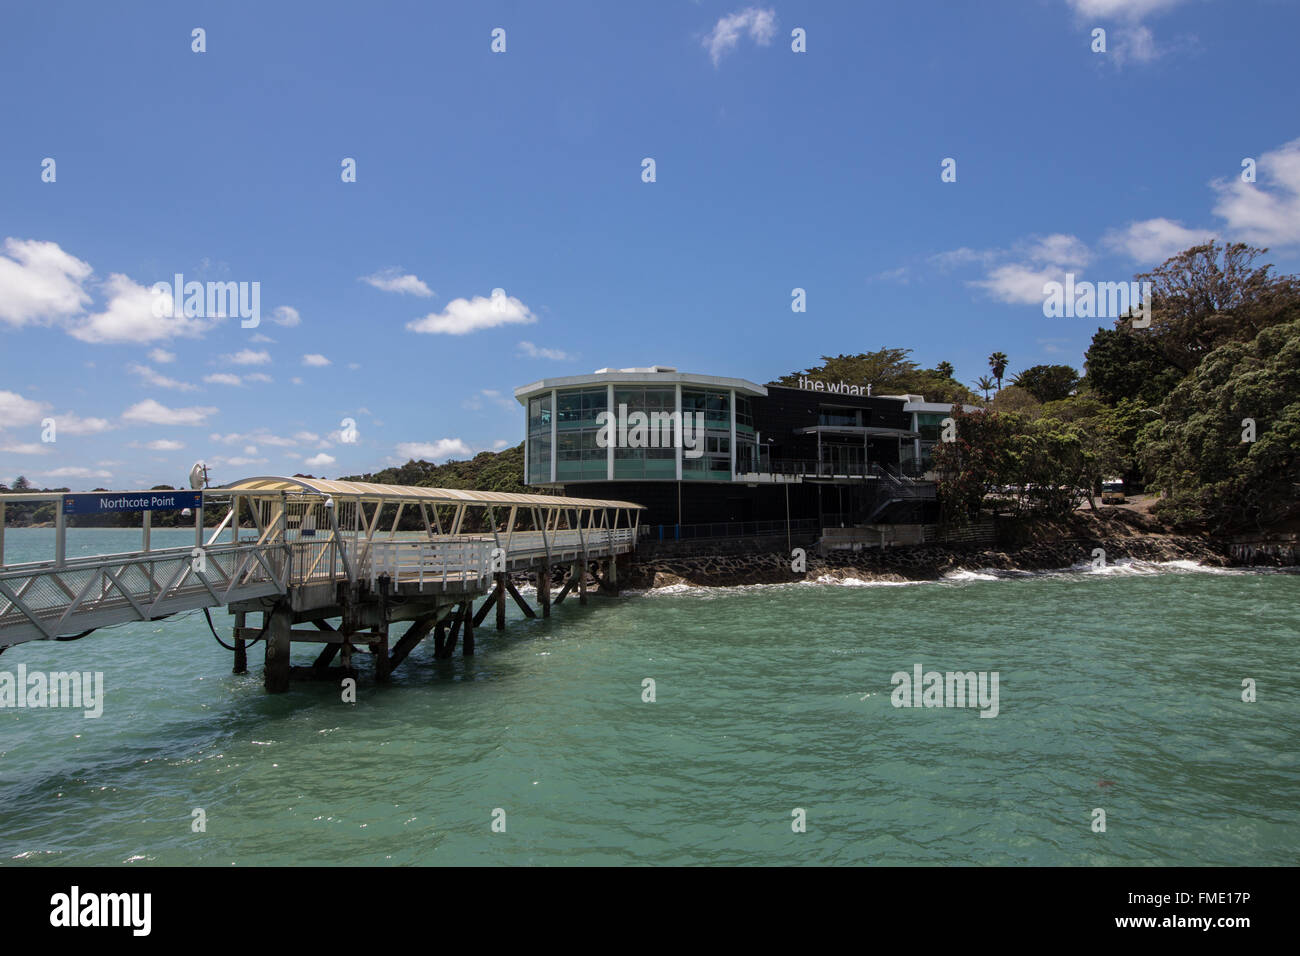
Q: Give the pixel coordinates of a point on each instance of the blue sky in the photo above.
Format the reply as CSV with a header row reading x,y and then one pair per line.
x,y
521,171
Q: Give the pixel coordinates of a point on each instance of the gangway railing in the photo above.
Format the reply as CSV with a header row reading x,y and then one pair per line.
x,y
50,599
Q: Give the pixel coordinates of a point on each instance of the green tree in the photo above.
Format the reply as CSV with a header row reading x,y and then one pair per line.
x,y
888,372
1195,452
1120,364
973,464
1213,294
1048,383
998,363
1013,398
945,369
984,384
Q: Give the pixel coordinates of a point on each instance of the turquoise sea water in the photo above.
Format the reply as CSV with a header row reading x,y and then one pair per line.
x,y
768,699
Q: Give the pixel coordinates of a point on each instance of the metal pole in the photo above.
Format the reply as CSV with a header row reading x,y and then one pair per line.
x,y
787,516
148,525
60,530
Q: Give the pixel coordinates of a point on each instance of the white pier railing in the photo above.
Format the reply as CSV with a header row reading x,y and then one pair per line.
x,y
50,599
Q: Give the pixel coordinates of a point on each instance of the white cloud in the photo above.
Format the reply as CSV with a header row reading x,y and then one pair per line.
x,y
296,380
315,360
432,451
1126,9
258,438
1264,216
40,282
533,351
248,357
1018,284
258,377
308,437
260,339
891,275
1154,240
390,280
1040,260
162,356
153,377
223,378
240,462
150,412
462,316
727,32
1136,44
319,461
129,317
285,315
70,424
499,444
165,444
76,473
27,448
16,410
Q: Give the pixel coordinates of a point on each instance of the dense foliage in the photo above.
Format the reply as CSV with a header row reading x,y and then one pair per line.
x,y
486,471
888,372
1169,406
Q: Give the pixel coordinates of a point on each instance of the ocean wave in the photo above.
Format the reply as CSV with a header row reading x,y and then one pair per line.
x,y
1122,567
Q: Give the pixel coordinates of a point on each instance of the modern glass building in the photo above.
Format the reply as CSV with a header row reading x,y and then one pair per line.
x,y
703,448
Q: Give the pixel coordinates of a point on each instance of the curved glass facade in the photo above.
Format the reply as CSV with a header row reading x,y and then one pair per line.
x,y
692,430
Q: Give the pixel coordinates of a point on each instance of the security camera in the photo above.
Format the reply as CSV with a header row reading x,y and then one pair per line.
x,y
329,502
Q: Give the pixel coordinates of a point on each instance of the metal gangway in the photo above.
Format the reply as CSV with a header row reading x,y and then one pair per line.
x,y
296,540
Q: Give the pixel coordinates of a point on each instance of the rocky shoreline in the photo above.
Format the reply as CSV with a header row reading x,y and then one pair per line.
x,y
1040,547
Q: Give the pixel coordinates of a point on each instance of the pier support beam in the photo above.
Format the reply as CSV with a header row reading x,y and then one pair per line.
x,y
278,639
379,651
484,608
544,588
581,570
501,600
519,599
467,612
417,632
440,642
568,586
241,649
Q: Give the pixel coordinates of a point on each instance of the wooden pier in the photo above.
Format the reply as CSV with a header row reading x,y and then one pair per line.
x,y
324,563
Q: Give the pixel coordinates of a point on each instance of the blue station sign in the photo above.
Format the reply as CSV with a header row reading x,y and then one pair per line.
x,y
102,502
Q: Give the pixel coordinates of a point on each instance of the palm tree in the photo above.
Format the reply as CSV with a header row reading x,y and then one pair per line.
x,y
984,383
945,369
998,363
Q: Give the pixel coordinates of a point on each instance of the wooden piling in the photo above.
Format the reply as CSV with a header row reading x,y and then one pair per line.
x,y
501,600
519,599
379,651
241,649
581,570
468,612
544,588
277,649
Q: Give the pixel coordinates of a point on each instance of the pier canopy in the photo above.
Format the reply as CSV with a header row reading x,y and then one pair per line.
x,y
315,517
370,493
